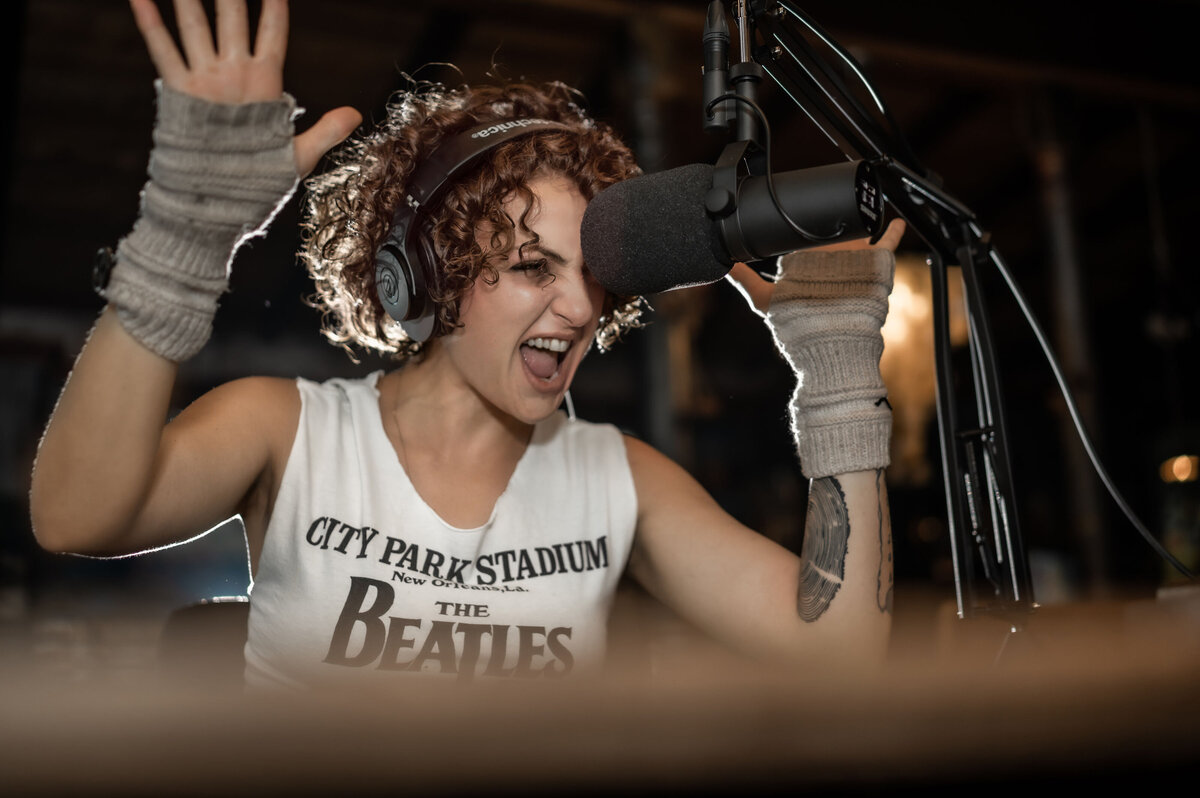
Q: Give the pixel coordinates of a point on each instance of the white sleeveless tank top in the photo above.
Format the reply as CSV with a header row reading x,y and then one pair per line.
x,y
358,575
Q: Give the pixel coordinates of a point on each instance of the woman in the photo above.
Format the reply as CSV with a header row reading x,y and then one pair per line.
x,y
444,517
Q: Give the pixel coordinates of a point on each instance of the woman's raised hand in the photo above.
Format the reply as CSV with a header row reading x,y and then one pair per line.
x,y
228,70
758,292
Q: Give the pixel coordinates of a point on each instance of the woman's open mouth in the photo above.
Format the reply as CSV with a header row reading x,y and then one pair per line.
x,y
543,356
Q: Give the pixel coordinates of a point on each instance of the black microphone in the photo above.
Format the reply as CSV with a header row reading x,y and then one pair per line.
x,y
672,229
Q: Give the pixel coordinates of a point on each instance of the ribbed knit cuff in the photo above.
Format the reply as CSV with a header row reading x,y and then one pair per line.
x,y
840,439
218,175
826,316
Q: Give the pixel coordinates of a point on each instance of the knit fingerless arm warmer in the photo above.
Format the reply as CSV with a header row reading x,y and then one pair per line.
x,y
826,316
218,175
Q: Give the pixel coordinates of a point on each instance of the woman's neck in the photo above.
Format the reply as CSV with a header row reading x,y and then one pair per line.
x,y
438,416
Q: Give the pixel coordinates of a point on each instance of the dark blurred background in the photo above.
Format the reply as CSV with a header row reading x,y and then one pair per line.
x,y
1070,131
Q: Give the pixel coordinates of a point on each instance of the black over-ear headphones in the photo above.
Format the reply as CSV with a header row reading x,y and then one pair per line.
x,y
404,264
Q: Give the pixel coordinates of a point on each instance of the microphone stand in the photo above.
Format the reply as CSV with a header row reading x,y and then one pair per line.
x,y
991,567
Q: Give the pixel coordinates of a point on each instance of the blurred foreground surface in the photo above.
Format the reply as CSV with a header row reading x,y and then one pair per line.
x,y
1097,694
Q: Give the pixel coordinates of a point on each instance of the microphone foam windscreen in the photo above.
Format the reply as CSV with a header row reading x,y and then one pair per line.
x,y
650,233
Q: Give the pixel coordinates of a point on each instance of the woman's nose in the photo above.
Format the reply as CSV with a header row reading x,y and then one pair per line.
x,y
576,297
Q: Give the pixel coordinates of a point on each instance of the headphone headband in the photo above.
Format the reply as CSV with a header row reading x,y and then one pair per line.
x,y
462,151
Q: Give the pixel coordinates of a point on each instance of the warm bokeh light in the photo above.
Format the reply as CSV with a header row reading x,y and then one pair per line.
x,y
908,363
908,308
1182,468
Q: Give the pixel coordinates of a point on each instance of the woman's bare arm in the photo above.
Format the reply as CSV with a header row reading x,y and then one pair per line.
x,y
97,454
831,604
833,601
109,477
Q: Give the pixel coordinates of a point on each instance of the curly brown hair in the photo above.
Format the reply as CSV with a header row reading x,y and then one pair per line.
x,y
349,208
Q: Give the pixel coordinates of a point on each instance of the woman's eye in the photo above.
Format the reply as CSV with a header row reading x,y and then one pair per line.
x,y
535,267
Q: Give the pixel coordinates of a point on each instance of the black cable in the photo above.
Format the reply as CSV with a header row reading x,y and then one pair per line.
x,y
1088,447
762,118
897,135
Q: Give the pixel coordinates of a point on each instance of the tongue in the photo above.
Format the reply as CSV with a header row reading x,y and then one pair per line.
x,y
542,363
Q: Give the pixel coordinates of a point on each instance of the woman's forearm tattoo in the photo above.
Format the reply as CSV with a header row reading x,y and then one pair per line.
x,y
823,555
885,580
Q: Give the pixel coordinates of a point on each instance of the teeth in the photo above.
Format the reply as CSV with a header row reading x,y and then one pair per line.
x,y
550,344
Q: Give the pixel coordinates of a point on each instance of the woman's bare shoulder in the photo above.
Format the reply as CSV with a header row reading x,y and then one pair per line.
x,y
248,410
260,397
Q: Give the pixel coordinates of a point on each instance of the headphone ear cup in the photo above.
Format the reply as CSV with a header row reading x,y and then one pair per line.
x,y
419,329
391,281
421,259
401,290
